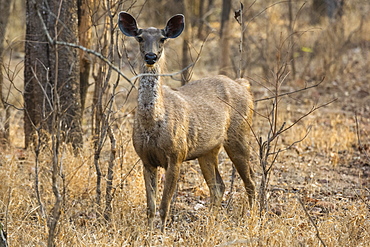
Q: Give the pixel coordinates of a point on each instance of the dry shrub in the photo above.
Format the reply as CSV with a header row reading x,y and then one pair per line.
x,y
326,169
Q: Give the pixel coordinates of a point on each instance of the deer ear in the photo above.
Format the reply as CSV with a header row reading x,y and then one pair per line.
x,y
174,26
127,24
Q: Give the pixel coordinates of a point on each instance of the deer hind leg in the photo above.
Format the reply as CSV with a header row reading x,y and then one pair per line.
x,y
171,178
151,185
238,151
209,166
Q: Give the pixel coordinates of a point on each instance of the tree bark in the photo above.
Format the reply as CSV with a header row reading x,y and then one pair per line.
x,y
225,63
330,8
3,242
84,34
49,67
185,76
4,109
201,20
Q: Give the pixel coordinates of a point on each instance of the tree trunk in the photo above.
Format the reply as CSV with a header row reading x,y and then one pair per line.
x,y
330,8
186,75
4,109
291,37
51,74
201,20
84,37
3,242
225,64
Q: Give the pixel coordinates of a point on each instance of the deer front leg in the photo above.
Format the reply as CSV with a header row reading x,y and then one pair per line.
x,y
171,177
151,185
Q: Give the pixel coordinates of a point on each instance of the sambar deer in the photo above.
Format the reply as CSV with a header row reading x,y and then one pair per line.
x,y
192,122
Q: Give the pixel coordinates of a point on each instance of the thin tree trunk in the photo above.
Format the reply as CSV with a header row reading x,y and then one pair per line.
x,y
84,36
225,64
110,174
4,18
291,30
201,20
185,77
3,242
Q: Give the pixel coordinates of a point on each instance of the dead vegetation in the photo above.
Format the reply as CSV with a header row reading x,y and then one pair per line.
x,y
318,191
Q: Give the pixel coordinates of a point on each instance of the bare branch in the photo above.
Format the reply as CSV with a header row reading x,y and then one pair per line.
x,y
311,220
289,93
262,11
360,146
97,54
314,108
362,198
170,75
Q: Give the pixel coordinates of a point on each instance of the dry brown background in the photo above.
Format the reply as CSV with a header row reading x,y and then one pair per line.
x,y
329,170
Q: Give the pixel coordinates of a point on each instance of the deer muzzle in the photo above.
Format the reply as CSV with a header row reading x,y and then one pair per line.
x,y
150,58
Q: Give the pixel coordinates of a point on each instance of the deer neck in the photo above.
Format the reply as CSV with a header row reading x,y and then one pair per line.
x,y
150,99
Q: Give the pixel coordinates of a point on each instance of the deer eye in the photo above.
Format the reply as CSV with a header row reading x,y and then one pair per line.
x,y
139,39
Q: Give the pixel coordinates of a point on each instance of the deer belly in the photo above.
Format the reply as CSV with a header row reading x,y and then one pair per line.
x,y
204,144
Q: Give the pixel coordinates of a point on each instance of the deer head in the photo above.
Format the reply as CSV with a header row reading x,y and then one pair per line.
x,y
151,39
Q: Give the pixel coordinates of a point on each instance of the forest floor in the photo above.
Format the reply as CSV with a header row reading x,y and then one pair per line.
x,y
319,188
318,194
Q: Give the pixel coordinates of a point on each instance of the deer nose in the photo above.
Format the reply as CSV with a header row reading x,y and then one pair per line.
x,y
150,58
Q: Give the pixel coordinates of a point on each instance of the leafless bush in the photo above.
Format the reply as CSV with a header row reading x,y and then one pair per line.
x,y
27,200
268,144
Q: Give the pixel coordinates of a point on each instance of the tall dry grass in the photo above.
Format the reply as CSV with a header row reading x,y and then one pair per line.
x,y
326,171
338,203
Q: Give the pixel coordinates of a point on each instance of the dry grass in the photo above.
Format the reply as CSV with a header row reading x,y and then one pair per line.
x,y
326,171
334,191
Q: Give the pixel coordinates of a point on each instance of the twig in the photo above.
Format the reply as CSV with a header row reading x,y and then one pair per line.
x,y
192,65
293,92
315,108
362,199
170,75
37,188
293,143
239,18
113,150
358,132
262,11
239,242
7,211
124,178
109,194
311,220
3,242
360,146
